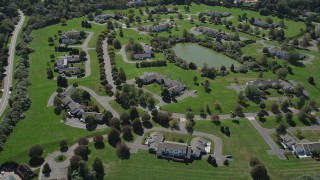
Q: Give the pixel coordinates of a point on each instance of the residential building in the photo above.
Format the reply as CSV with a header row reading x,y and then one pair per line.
x,y
216,34
217,14
168,149
304,150
99,117
263,24
70,37
102,18
147,53
174,87
63,68
25,172
200,146
158,27
282,54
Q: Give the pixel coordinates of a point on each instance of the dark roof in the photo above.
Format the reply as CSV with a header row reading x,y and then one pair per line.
x,y
24,171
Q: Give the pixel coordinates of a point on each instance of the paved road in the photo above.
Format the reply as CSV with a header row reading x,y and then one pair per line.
x,y
85,48
107,65
265,135
9,69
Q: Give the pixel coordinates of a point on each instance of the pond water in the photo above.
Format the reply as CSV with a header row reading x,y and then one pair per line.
x,y
199,55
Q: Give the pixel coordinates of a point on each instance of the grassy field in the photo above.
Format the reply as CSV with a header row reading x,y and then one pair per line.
x,y
245,142
311,135
41,125
270,122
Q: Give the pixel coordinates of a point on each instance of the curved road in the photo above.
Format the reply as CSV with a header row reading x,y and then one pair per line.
x,y
9,68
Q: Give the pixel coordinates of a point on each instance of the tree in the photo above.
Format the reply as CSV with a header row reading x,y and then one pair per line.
x,y
82,151
97,166
98,141
127,132
311,80
165,93
242,98
62,82
46,169
189,125
288,116
63,145
274,107
113,137
304,42
116,44
259,172
189,116
254,161
63,21
137,126
133,113
232,68
74,162
281,129
151,102
282,73
238,109
83,141
35,153
217,106
90,120
278,117
50,74
122,151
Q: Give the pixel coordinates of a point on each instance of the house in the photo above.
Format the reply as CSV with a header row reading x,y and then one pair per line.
x,y
168,149
174,87
73,108
99,117
102,18
216,34
63,68
263,24
25,172
287,141
136,3
217,14
281,54
158,27
70,37
200,146
153,140
147,53
304,150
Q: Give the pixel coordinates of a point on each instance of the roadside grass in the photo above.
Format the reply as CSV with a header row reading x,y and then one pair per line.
x,y
117,107
245,142
312,136
270,122
41,125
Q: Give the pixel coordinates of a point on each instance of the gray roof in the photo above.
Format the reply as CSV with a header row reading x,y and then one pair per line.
x,y
174,86
164,147
97,116
260,23
217,14
158,27
216,34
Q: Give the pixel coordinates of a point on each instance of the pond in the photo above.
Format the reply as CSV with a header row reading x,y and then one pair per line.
x,y
199,55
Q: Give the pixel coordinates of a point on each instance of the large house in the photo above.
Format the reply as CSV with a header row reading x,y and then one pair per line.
x,y
158,27
286,86
217,14
78,111
281,54
168,149
174,87
63,68
263,24
70,37
25,172
304,150
216,34
102,18
147,53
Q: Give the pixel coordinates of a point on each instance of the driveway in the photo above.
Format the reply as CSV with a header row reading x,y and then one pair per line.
x,y
9,69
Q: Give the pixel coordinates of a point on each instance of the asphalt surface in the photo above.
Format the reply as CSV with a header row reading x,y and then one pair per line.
x,y
9,69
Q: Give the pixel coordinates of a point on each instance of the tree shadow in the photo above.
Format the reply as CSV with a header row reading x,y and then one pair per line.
x,y
99,145
35,162
236,121
147,124
128,137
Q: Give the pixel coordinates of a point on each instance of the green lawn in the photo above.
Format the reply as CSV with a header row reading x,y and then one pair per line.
x,y
245,142
311,135
270,122
174,137
117,107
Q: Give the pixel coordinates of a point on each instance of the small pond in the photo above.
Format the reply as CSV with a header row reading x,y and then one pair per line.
x,y
199,55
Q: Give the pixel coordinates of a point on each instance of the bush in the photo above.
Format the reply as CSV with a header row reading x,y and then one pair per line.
x,y
259,171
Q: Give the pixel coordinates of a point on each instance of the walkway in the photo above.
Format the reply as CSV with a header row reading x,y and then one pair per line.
x,y
9,69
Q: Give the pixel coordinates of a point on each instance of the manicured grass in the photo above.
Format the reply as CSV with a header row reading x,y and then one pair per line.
x,y
41,125
60,158
270,122
245,142
312,136
155,88
117,107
